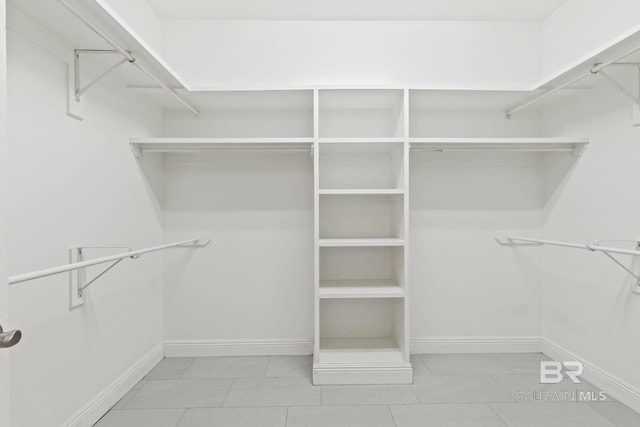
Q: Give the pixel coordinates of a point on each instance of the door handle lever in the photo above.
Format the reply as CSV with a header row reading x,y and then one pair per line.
x,y
9,338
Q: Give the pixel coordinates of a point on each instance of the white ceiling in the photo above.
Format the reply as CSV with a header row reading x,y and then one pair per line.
x,y
476,10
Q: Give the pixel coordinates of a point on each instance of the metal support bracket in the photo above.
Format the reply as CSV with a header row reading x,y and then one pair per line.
x,y
620,87
78,278
78,88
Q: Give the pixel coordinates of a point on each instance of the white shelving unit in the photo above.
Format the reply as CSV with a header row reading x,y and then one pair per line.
x,y
360,141
361,225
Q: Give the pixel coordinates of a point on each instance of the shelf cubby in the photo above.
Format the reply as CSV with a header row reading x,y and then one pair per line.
x,y
375,166
361,216
361,331
368,113
358,270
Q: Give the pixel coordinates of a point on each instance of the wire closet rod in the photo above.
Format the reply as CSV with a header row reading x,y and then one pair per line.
x,y
128,56
88,263
594,248
595,69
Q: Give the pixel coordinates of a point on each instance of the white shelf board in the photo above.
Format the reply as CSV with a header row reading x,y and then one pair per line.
x,y
360,350
360,140
575,145
384,242
360,191
360,291
176,145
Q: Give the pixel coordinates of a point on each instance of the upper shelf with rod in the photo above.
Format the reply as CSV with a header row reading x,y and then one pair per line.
x,y
186,145
102,46
574,146
526,241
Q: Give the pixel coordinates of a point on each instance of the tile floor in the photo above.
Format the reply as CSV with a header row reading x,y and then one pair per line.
x,y
449,390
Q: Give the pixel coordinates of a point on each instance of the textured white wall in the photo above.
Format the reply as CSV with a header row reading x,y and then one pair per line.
x,y
289,54
588,306
76,183
255,281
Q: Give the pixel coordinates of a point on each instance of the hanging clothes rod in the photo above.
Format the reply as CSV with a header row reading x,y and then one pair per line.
x,y
127,55
594,248
511,241
195,243
595,69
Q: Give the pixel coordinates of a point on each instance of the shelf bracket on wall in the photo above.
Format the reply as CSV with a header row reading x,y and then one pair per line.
x,y
620,87
596,247
79,89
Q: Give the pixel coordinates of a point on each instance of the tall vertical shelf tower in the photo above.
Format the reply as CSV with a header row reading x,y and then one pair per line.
x,y
361,227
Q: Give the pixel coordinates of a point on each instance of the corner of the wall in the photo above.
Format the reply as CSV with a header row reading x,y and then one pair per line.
x,y
613,386
90,413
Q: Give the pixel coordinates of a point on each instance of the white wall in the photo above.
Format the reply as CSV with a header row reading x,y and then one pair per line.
x,y
464,285
289,54
76,183
255,281
580,29
589,308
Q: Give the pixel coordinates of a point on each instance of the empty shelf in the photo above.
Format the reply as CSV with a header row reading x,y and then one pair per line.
x,y
360,242
360,350
360,289
360,191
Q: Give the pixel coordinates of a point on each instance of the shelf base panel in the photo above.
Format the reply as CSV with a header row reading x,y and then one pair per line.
x,y
360,374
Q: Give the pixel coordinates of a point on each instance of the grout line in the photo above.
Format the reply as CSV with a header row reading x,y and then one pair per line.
x,y
492,376
233,381
497,415
181,417
502,364
392,417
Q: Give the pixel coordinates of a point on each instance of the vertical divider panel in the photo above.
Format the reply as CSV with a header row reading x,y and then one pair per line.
x,y
316,226
406,324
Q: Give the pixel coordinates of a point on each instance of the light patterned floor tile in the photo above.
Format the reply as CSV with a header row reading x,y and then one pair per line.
x,y
459,389
549,415
468,415
336,416
290,366
141,418
227,367
368,395
259,417
294,391
464,364
619,414
180,394
169,369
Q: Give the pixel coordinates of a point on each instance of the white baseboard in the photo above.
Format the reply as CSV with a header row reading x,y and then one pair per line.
x,y
90,413
213,348
609,383
475,345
